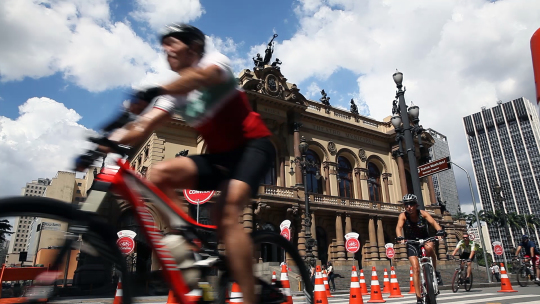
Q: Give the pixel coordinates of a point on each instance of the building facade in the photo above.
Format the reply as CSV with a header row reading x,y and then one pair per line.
x,y
444,182
363,177
504,146
22,224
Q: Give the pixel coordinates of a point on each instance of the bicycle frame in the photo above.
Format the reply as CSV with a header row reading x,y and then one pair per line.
x,y
424,259
128,185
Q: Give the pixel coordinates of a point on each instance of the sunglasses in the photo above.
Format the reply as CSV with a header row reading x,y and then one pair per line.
x,y
465,238
409,204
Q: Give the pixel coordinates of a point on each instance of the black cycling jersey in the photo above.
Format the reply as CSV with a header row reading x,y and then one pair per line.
x,y
416,230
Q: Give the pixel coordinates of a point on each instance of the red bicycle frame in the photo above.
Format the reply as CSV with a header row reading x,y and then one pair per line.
x,y
131,187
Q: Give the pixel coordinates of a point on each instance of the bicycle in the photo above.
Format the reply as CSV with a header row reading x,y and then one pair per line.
x,y
460,277
99,237
524,271
428,281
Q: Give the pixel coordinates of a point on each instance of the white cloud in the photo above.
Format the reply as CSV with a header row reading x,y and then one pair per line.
x,y
44,139
78,39
455,55
158,13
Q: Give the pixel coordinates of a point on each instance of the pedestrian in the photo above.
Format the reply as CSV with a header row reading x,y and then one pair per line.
x,y
330,271
312,274
495,271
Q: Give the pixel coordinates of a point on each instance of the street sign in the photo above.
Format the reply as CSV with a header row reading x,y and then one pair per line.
x,y
434,167
472,236
285,229
498,248
352,244
390,253
198,197
126,245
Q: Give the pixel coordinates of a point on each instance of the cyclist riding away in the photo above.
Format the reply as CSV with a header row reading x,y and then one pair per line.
x,y
240,153
532,252
468,248
414,224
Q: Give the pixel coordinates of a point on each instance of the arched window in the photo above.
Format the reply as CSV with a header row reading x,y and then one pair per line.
x,y
313,184
374,183
345,177
271,175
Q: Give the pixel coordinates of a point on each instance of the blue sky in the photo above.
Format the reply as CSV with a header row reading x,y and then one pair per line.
x,y
66,65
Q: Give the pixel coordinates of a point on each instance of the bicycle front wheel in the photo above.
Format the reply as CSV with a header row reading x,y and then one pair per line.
x,y
98,239
522,276
455,281
468,285
430,287
299,277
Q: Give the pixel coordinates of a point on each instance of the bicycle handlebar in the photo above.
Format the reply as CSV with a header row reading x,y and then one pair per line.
x,y
423,241
85,160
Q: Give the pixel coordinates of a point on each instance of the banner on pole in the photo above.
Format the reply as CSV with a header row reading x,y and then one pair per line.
x,y
286,229
352,244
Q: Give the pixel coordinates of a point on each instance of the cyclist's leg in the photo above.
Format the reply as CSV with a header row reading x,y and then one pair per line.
x,y
536,265
430,249
237,242
412,253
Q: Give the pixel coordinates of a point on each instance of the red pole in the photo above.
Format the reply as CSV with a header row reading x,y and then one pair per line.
x,y
535,51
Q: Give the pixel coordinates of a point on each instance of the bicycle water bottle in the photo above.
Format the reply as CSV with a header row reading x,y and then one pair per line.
x,y
184,258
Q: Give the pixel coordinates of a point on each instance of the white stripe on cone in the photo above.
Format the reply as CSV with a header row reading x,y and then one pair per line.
x,y
284,276
393,280
373,273
355,285
504,276
319,287
236,297
375,282
286,291
119,293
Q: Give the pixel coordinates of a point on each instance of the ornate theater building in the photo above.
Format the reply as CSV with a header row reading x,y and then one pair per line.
x,y
355,185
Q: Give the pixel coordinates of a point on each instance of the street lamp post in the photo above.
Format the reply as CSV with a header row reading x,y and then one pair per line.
x,y
484,248
305,164
500,206
405,130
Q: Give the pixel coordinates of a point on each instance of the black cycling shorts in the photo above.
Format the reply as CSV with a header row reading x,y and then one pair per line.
x,y
465,255
248,163
413,250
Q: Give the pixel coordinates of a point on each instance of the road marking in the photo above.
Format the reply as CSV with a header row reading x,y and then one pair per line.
x,y
498,298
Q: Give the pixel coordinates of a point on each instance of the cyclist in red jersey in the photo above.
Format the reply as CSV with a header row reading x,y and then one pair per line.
x,y
240,152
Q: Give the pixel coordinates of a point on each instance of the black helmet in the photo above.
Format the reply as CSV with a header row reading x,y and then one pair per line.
x,y
524,237
185,33
410,198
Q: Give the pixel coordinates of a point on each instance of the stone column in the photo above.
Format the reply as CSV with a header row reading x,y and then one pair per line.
x,y
302,237
373,239
340,245
402,176
314,235
333,250
386,188
431,187
326,167
380,238
348,228
282,172
442,251
357,175
297,155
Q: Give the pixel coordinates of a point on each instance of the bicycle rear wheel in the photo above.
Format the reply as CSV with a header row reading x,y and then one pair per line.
x,y
468,285
272,294
429,281
455,280
98,237
522,276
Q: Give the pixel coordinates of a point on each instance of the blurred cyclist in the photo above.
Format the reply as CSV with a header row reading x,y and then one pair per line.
x,y
468,248
530,251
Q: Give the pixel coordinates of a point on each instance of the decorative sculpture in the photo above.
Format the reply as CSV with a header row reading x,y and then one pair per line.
x,y
395,108
182,153
269,51
325,100
258,61
276,63
354,108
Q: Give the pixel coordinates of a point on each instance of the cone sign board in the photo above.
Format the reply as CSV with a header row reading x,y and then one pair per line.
x,y
198,197
498,248
352,244
286,229
126,242
390,253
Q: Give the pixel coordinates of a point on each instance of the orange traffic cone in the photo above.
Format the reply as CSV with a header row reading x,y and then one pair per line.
x,y
376,296
274,278
386,282
411,282
171,299
363,285
286,286
355,296
319,294
119,293
506,286
236,294
395,292
326,286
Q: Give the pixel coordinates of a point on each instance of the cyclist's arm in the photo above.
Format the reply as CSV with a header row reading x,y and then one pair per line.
x,y
195,78
532,252
141,128
455,250
431,220
518,250
399,226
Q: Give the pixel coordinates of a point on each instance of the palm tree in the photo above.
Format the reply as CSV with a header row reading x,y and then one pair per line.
x,y
498,219
531,221
459,216
5,229
471,220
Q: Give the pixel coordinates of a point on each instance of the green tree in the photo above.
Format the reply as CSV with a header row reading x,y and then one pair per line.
x,y
5,230
480,257
459,216
470,220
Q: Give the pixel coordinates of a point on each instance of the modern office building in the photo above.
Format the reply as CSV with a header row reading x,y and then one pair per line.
x,y
504,147
444,182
